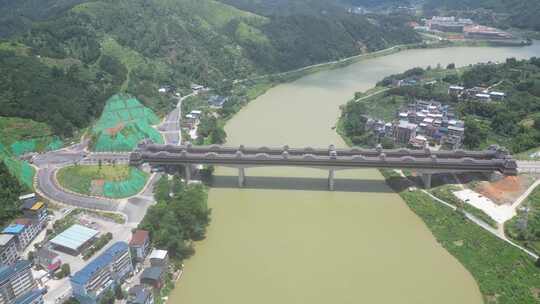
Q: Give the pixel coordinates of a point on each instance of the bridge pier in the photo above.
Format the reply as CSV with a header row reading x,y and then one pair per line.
x,y
187,173
426,179
241,177
331,182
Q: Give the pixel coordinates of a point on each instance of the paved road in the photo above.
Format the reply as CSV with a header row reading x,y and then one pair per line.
x,y
528,166
133,208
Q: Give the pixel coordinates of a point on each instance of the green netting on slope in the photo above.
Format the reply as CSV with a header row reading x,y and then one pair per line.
x,y
56,144
126,139
131,186
23,146
123,124
18,168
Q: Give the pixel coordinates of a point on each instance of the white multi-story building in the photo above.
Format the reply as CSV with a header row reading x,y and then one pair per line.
x,y
103,273
8,249
15,281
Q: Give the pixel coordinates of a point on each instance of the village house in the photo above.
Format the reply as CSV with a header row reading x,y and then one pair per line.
x,y
140,244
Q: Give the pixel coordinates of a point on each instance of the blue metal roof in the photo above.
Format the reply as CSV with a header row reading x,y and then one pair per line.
x,y
7,271
13,229
74,237
28,297
83,275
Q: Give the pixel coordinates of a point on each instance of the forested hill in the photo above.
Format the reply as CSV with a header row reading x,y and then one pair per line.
x,y
61,59
522,14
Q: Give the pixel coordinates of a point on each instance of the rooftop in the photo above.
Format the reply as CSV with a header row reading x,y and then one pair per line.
x,y
28,297
27,196
158,254
138,294
46,253
407,125
74,237
37,206
23,221
152,273
14,229
7,271
5,238
104,259
139,238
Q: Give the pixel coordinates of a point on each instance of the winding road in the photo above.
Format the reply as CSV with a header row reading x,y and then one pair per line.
x,y
133,208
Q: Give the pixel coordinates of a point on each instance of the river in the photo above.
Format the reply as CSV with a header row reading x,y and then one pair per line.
x,y
285,239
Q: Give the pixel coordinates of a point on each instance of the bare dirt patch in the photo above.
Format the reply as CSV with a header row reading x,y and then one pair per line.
x,y
504,191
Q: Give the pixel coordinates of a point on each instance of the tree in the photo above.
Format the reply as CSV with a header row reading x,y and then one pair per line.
x,y
66,269
537,263
451,66
387,143
71,300
475,133
107,298
118,292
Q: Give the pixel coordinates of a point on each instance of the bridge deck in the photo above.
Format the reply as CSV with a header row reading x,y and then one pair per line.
x,y
464,161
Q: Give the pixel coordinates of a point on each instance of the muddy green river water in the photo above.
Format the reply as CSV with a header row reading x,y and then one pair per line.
x,y
285,239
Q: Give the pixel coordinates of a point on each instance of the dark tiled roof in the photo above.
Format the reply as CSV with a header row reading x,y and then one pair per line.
x,y
138,294
152,273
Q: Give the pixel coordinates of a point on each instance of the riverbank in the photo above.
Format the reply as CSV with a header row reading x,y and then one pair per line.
x,y
504,273
254,87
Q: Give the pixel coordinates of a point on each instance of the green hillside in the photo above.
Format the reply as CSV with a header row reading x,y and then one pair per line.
x,y
123,124
72,55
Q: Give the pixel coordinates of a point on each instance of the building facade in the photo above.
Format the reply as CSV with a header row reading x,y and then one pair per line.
x,y
34,209
140,244
15,281
8,249
103,273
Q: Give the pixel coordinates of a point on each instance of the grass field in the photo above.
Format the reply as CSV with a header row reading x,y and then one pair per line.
x,y
445,193
525,228
79,178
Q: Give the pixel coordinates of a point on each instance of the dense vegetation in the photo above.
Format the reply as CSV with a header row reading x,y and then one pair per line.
x,y
63,98
10,190
504,273
503,13
513,123
178,219
63,59
525,228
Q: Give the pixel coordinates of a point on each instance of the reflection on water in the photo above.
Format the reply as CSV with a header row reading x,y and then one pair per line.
x,y
301,184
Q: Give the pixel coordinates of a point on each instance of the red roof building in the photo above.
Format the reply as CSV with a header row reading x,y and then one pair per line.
x,y
140,244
